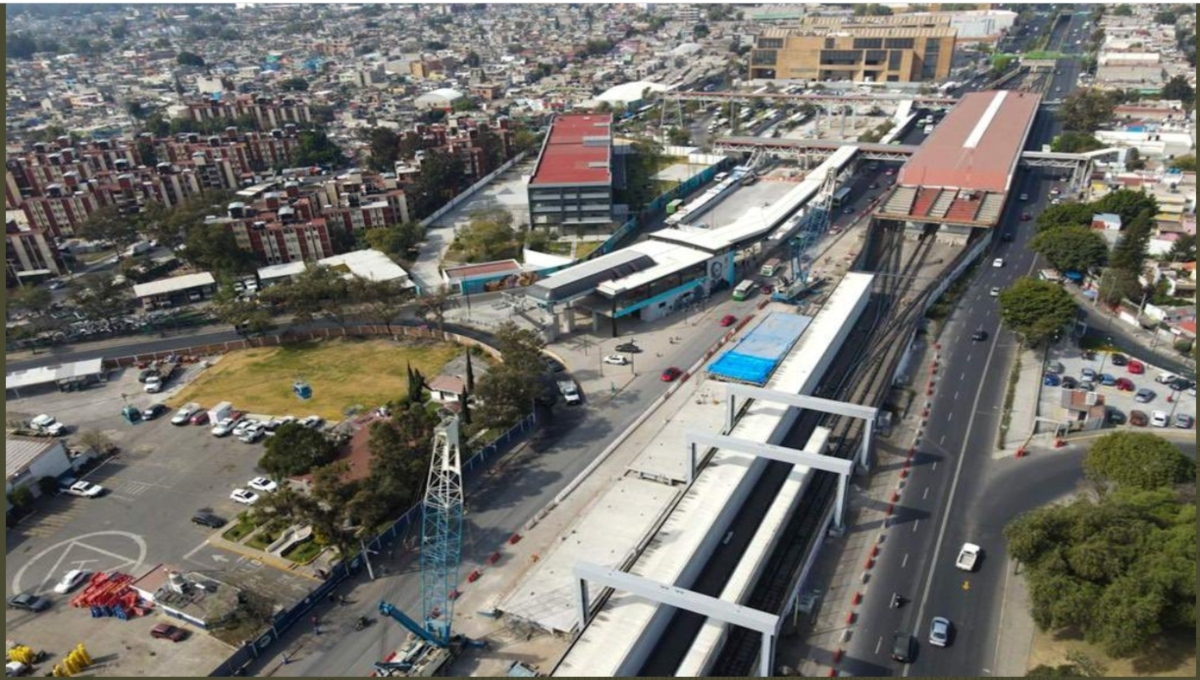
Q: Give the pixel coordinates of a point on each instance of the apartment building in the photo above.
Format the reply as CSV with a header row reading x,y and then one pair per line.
x,y
28,250
268,113
857,53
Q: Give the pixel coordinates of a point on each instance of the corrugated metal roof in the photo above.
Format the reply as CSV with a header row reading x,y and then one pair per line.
x,y
20,452
584,277
48,374
971,149
173,285
573,153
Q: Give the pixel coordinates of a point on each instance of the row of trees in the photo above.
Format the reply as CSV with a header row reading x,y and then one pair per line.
x,y
1067,241
1120,564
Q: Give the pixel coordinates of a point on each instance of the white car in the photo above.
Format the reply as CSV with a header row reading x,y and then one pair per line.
x,y
184,415
70,581
244,427
616,359
1159,419
224,427
252,434
998,262
995,292
313,422
85,489
262,484
244,497
154,384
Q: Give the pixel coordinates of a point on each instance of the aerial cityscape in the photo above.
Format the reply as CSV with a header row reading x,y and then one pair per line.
x,y
590,339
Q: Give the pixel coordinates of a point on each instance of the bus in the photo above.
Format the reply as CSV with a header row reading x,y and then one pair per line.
x,y
770,267
840,196
744,290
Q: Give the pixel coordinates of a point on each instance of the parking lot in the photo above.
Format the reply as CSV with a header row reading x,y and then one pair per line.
x,y
1123,401
162,475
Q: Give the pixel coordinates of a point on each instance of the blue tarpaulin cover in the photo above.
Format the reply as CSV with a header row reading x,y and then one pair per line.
x,y
758,353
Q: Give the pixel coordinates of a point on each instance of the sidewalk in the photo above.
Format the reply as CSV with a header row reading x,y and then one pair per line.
x,y
1025,402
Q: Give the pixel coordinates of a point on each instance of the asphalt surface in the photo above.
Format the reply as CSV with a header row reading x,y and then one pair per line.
x,y
957,492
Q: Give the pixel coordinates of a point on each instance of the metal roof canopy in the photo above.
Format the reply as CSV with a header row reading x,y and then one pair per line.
x,y
815,459
839,408
673,596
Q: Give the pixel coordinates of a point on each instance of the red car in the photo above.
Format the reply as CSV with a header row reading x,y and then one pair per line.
x,y
1025,217
165,631
728,320
1136,367
766,289
670,374
1124,384
200,418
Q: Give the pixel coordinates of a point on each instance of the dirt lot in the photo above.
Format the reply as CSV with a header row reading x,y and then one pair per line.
x,y
260,380
1170,657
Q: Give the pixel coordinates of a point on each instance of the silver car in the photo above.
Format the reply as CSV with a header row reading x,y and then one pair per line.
x,y
939,631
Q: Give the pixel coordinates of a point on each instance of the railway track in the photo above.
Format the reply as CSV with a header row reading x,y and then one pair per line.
x,y
891,320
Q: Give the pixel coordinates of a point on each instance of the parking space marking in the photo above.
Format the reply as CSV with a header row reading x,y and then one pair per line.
x,y
67,546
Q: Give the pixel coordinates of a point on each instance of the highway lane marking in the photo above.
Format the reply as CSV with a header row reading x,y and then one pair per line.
x,y
937,548
904,562
949,416
926,494
963,375
955,396
916,524
934,466
879,645
942,439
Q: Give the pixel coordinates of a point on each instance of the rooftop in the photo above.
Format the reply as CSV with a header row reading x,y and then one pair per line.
x,y
577,150
20,452
174,284
978,144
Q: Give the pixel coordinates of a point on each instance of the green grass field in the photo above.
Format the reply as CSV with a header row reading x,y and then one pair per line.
x,y
343,373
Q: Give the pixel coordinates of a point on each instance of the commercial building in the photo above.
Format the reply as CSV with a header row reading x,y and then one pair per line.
x,y
572,184
176,290
28,459
857,53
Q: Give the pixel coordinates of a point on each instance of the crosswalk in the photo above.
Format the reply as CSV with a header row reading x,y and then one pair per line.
x,y
52,514
132,488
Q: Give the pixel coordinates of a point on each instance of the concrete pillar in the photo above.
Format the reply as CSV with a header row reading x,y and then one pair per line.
x,y
582,603
766,655
569,313
839,512
730,412
864,454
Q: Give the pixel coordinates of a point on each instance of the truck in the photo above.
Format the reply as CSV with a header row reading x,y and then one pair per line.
x,y
570,392
967,557
221,410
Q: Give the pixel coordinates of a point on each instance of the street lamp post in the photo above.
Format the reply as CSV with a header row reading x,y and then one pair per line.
x,y
1103,356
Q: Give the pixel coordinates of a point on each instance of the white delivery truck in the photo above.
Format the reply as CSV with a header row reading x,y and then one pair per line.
x,y
221,410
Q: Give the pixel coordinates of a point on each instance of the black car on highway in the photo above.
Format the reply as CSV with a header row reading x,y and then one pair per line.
x,y
29,602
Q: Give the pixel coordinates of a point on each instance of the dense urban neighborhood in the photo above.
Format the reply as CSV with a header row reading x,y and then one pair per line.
x,y
469,339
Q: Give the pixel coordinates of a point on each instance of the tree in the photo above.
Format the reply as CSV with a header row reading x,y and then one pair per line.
x,y
679,136
442,175
1123,11
147,154
317,149
1137,459
1128,204
382,300
295,84
1166,17
99,298
1120,569
397,239
1071,248
19,46
1130,251
489,236
384,147
214,248
1179,88
1118,284
1186,163
463,104
189,59
1036,310
317,291
295,450
109,224
1182,250
1075,142
508,390
434,304
1085,110
30,299
470,378
245,315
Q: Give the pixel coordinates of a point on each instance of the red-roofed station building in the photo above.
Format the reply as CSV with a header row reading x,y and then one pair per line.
x,y
961,175
572,184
